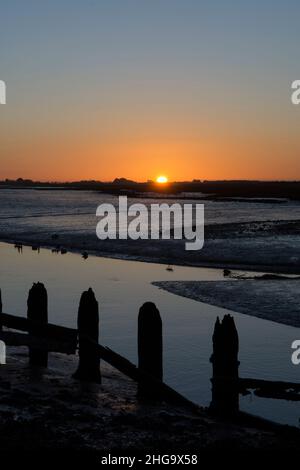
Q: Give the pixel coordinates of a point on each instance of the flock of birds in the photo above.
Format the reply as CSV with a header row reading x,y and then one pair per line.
x,y
226,272
57,249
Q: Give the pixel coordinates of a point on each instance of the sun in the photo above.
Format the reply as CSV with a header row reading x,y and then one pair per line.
x,y
161,179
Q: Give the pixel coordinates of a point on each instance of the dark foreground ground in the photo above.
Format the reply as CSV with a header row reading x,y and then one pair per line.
x,y
48,410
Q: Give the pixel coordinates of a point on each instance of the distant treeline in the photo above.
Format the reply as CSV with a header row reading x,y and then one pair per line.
x,y
213,189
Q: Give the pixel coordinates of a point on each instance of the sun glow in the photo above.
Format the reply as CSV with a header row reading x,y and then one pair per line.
x,y
161,179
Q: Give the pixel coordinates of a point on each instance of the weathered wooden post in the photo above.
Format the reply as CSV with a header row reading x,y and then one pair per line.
x,y
225,387
88,333
150,348
37,313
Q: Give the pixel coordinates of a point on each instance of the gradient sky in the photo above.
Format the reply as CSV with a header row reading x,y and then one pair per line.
x,y
191,89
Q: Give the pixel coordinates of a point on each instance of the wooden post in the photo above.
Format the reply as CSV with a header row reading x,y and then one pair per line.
x,y
150,347
88,332
225,389
37,313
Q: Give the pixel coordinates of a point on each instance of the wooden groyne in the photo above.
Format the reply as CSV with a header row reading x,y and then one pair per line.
x,y
43,338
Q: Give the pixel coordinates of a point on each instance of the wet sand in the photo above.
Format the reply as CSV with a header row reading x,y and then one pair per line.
x,y
274,300
261,246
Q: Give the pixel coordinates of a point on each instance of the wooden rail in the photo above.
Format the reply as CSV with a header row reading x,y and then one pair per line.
x,y
47,337
271,389
130,370
61,339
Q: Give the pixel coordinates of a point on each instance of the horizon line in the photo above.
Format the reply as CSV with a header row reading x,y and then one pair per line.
x,y
149,181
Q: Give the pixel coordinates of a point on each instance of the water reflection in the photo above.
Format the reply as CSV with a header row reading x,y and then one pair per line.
x,y
121,287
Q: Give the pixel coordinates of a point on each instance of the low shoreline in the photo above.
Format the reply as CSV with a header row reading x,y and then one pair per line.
x,y
258,298
160,257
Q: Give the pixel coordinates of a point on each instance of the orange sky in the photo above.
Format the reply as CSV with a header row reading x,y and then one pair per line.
x,y
223,151
132,89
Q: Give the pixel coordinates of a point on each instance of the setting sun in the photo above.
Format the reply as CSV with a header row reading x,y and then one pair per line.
x,y
161,179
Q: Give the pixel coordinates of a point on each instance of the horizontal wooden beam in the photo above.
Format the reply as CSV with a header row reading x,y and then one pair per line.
x,y
47,331
64,340
271,389
45,344
130,370
257,383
